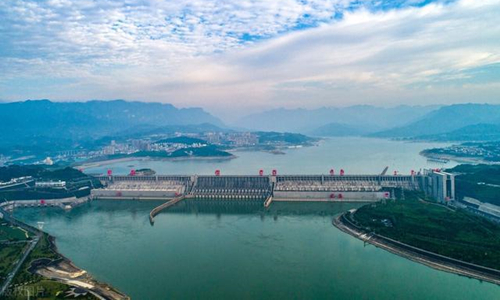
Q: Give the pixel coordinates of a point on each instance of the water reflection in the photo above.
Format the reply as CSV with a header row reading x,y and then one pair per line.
x,y
255,206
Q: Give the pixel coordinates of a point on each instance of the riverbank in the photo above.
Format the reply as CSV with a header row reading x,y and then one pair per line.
x,y
64,271
106,162
430,259
43,271
459,159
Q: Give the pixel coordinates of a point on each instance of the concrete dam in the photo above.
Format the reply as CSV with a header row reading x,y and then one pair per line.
x,y
314,187
331,188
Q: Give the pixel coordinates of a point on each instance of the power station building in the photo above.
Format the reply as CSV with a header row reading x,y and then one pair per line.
x,y
441,185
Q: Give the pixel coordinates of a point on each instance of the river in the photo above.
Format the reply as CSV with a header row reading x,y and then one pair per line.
x,y
354,155
208,250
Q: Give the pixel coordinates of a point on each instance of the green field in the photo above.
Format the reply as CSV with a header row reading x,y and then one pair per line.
x,y
26,282
42,250
10,233
8,255
426,225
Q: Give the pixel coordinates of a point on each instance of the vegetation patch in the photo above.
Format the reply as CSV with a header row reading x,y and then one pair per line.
x,y
206,151
481,182
9,253
12,233
418,222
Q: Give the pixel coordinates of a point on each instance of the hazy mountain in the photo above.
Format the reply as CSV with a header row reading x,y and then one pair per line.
x,y
358,117
337,129
43,121
447,119
477,132
147,130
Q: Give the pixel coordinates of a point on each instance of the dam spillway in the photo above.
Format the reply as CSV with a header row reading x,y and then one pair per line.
x,y
280,187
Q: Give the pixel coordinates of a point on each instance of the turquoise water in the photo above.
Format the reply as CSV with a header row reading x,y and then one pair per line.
x,y
355,155
209,250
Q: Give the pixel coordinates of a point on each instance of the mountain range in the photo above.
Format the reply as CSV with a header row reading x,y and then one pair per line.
x,y
458,122
333,121
46,124
454,122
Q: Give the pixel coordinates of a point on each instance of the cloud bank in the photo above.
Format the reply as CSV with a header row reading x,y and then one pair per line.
x,y
235,57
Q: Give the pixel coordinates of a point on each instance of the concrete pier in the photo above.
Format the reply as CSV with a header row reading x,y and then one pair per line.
x,y
164,206
268,201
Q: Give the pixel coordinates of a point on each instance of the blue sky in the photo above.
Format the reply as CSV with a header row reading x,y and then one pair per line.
x,y
237,57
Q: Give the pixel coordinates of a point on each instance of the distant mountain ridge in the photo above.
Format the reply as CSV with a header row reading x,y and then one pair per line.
x,y
476,132
359,118
40,121
338,130
447,119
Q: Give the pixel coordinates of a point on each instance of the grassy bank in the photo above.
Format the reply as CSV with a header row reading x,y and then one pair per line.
x,y
26,283
429,226
12,241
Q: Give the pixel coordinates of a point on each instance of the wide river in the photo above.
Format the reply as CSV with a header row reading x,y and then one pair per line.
x,y
209,250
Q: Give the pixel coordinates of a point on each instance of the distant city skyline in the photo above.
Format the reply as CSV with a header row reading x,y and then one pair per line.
x,y
238,57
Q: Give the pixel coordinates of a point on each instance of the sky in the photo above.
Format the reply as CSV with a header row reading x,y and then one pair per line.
x,y
239,57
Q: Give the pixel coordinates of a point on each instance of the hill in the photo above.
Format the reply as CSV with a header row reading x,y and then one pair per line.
x,y
447,119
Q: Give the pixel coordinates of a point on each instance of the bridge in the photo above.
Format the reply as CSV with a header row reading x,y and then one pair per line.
x,y
332,188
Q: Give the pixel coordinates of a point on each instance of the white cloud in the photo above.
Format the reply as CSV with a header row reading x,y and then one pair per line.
x,y
194,53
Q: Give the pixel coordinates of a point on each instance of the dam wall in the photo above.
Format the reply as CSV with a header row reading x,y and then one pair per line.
x,y
64,203
329,196
248,186
160,187
345,182
280,187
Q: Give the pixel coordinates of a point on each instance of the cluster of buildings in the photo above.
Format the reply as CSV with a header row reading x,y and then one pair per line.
x,y
237,139
153,143
233,139
172,147
113,148
484,151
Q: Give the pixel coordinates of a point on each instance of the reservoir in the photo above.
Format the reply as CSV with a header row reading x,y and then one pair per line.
x,y
354,155
208,249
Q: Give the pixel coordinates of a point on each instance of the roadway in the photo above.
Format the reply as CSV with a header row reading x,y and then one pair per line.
x,y
32,244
